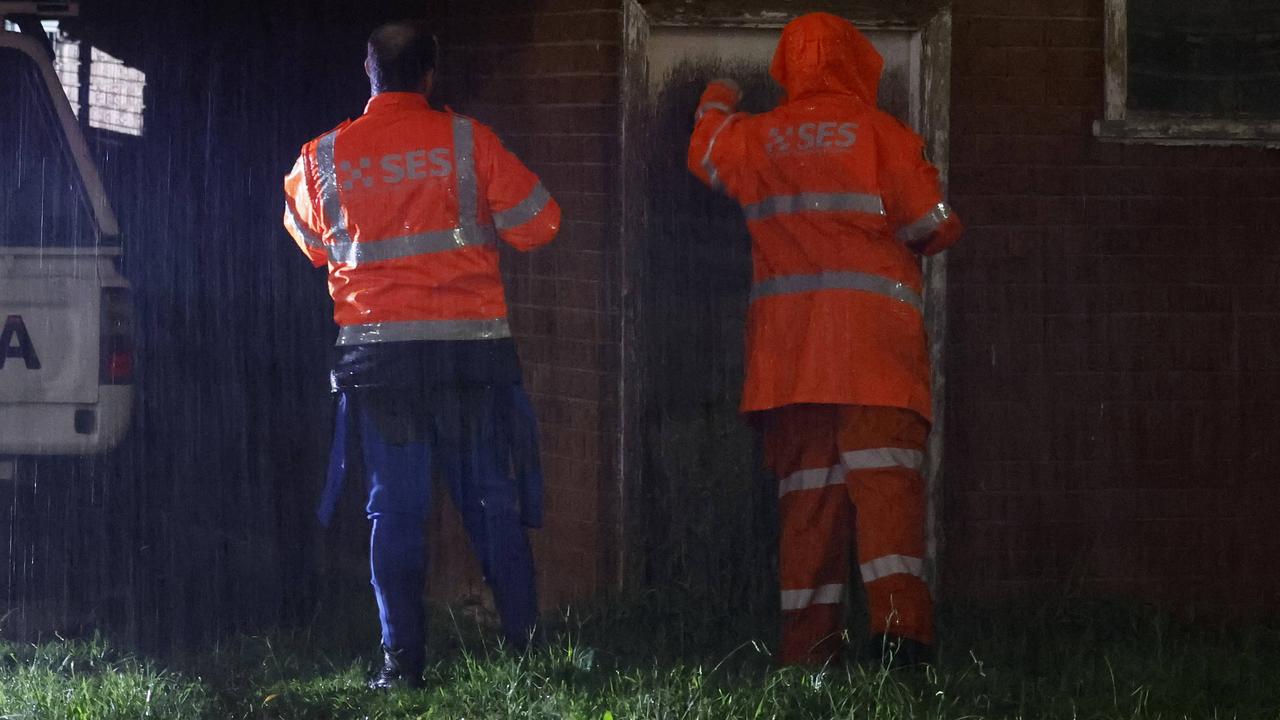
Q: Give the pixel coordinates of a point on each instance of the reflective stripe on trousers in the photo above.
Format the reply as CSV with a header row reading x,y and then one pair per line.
x,y
835,461
821,595
887,565
872,459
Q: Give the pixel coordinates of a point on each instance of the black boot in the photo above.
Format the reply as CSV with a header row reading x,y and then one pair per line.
x,y
893,652
400,668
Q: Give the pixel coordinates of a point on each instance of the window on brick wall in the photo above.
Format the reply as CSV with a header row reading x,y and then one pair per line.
x,y
1191,72
115,92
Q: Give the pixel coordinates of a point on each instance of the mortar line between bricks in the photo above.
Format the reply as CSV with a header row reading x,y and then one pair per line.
x,y
540,14
550,44
572,74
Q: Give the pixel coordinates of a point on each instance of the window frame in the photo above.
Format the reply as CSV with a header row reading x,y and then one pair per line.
x,y
1120,124
82,160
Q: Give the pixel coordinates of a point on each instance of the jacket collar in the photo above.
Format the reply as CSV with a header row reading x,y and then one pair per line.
x,y
385,101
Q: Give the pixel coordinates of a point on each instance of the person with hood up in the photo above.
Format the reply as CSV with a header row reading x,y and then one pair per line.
x,y
840,202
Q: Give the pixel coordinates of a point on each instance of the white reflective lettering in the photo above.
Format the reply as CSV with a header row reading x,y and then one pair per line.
x,y
805,131
414,163
391,165
440,164
847,135
826,133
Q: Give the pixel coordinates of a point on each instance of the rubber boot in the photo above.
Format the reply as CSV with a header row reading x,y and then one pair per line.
x,y
401,668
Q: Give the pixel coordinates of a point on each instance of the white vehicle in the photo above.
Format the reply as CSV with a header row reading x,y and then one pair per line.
x,y
66,345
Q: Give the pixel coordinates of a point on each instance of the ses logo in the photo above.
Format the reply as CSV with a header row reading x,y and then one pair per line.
x,y
15,342
811,137
395,168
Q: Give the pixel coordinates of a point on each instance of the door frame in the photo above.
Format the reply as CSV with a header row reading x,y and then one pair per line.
x,y
931,22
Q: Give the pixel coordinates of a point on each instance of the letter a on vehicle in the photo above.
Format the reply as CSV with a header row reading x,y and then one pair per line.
x,y
15,342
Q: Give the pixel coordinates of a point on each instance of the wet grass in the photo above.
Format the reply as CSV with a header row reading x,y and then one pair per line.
x,y
87,679
1070,660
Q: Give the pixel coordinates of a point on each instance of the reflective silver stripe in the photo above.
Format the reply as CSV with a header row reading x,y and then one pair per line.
x,y
821,595
424,330
355,253
465,162
887,565
713,175
927,223
877,458
814,202
708,107
524,211
294,224
837,280
469,232
811,479
329,198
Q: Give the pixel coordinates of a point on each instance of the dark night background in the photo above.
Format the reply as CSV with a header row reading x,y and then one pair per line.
x,y
202,522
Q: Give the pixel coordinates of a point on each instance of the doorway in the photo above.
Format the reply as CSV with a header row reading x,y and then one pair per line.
x,y
698,511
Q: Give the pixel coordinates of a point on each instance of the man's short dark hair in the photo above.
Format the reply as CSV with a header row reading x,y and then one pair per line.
x,y
400,55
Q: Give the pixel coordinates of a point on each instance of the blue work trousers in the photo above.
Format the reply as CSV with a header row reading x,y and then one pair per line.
x,y
488,499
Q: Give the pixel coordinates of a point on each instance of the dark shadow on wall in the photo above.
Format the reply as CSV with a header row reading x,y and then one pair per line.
x,y
709,527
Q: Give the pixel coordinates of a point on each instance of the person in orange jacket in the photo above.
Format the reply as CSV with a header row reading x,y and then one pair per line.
x,y
405,206
840,203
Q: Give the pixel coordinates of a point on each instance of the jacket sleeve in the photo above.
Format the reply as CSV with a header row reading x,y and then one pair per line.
x,y
524,213
300,216
913,201
719,142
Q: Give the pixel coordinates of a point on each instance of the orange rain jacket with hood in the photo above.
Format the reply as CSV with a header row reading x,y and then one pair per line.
x,y
405,205
839,200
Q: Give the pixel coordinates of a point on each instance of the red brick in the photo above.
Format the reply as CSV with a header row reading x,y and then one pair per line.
x,y
467,11
1074,33
533,61
989,180
1075,63
982,61
576,177
536,28
996,32
561,148
572,89
1079,92
541,119
1058,181
591,207
1075,8
1002,90
1002,8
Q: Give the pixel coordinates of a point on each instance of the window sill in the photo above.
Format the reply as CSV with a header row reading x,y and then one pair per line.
x,y
1173,130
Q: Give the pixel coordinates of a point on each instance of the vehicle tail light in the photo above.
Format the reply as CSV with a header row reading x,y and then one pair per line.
x,y
115,355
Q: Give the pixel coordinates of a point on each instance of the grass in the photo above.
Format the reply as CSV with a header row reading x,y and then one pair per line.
x,y
83,680
646,661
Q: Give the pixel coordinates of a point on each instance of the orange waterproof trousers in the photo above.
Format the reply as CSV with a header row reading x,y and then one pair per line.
x,y
829,460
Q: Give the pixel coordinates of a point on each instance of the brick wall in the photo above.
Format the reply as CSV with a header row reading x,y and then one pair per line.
x,y
1114,357
1111,362
544,75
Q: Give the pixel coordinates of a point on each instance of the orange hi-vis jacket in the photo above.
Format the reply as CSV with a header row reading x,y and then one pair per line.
x,y
405,205
838,198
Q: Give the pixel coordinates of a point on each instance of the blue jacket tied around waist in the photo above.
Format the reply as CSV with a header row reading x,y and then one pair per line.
x,y
460,396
